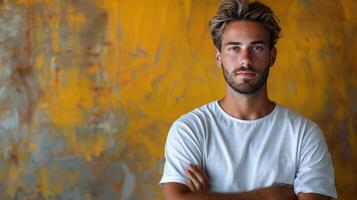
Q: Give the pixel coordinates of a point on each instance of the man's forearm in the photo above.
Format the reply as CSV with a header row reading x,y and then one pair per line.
x,y
216,196
273,193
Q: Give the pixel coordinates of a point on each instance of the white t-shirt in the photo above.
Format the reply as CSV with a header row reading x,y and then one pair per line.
x,y
241,155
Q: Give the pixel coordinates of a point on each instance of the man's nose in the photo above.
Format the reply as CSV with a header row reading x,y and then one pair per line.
x,y
245,59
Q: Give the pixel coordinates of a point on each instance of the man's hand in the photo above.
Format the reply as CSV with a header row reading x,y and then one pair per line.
x,y
197,178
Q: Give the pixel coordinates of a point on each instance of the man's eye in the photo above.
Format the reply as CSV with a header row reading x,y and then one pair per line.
x,y
258,48
233,49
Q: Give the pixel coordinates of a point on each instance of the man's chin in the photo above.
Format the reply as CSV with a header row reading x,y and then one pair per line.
x,y
245,89
246,82
246,92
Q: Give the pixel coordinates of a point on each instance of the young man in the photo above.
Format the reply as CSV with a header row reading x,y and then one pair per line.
x,y
246,146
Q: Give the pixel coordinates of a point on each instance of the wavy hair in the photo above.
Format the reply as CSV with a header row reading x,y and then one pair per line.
x,y
235,10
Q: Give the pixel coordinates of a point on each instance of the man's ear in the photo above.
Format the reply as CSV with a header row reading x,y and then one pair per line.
x,y
218,58
273,53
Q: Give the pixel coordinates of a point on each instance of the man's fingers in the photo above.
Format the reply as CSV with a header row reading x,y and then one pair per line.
x,y
199,174
199,177
203,172
195,182
191,186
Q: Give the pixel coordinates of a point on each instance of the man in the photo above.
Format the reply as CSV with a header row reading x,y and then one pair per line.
x,y
246,146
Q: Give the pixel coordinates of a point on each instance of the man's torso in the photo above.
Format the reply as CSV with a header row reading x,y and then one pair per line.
x,y
243,155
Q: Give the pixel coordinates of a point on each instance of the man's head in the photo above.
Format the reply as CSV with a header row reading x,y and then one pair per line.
x,y
245,35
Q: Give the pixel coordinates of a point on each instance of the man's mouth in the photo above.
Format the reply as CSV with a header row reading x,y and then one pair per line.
x,y
246,73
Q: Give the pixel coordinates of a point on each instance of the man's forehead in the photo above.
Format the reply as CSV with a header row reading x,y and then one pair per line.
x,y
244,32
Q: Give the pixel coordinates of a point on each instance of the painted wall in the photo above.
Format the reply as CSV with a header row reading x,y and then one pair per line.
x,y
89,88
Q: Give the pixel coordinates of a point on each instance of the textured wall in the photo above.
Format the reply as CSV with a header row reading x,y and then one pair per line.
x,y
89,88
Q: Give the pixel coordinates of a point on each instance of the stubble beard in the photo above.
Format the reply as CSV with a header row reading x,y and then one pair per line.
x,y
246,87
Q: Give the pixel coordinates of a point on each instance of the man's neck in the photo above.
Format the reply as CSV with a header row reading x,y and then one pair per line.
x,y
247,107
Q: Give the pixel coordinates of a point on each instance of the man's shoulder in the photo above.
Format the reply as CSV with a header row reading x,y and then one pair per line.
x,y
198,116
295,117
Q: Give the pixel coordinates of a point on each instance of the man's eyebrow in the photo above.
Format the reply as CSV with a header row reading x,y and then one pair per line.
x,y
232,43
259,42
239,43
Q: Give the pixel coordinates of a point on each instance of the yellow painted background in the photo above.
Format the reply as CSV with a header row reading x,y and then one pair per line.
x,y
89,88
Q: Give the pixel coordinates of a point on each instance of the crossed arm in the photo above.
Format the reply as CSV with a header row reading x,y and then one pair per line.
x,y
197,189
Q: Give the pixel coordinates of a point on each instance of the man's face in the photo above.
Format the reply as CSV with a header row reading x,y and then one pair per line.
x,y
245,56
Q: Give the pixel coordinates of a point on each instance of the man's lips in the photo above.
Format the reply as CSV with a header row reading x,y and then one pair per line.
x,y
246,73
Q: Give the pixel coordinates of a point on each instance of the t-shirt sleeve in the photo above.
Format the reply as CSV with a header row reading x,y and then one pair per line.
x,y
315,172
182,148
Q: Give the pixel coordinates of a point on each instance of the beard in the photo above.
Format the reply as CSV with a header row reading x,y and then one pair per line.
x,y
246,87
